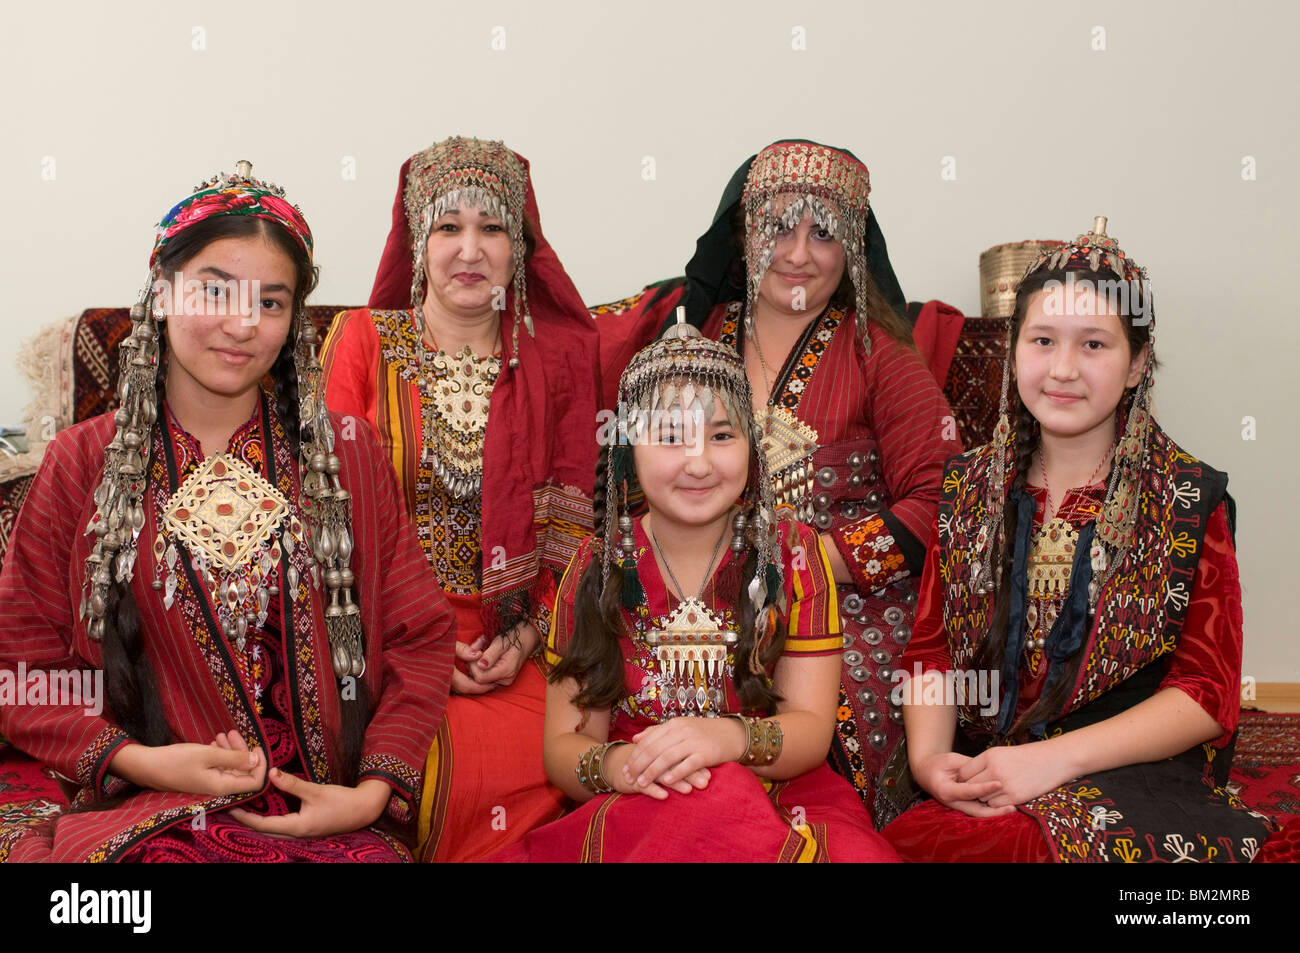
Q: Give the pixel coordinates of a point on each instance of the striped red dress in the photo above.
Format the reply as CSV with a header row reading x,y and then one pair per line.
x,y
204,683
485,784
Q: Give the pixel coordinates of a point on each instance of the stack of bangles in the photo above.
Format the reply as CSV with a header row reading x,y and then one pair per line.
x,y
591,768
763,741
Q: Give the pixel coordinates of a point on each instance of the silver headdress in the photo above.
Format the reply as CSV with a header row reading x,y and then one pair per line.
x,y
831,185
686,373
475,172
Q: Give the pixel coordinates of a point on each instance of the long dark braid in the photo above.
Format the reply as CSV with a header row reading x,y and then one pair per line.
x,y
284,380
355,706
592,657
598,501
993,650
754,691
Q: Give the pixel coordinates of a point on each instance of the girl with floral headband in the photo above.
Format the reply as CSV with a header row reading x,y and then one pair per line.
x,y
275,656
795,277
695,653
1078,636
476,364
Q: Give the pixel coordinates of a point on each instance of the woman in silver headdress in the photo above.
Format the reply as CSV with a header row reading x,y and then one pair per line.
x,y
476,364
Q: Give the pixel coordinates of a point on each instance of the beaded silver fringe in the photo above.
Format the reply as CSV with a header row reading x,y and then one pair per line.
x,y
657,376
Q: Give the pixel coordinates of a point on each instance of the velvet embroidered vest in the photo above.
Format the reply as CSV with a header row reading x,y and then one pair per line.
x,y
1140,610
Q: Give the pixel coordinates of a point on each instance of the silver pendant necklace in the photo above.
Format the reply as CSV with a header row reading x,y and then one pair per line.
x,y
691,648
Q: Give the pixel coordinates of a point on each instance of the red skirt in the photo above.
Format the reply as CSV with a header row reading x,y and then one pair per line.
x,y
737,818
222,840
485,784
932,833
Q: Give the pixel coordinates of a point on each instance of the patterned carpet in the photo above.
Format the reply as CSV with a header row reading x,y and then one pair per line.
x,y
29,796
1266,765
1265,773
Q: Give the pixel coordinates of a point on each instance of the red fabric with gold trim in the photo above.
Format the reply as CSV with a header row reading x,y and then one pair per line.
x,y
406,622
738,816
883,431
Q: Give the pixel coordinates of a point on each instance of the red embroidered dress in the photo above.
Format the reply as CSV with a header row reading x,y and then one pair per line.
x,y
1169,618
499,555
737,816
277,690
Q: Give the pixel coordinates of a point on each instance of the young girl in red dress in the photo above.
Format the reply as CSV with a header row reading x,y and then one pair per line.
x,y
238,567
694,660
1079,621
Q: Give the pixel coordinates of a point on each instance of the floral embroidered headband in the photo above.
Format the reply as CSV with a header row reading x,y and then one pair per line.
x,y
237,193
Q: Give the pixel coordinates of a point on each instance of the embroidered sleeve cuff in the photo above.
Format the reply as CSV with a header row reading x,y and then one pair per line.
x,y
871,549
542,621
92,766
406,784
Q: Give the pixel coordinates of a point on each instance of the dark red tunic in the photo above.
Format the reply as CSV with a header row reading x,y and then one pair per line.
x,y
203,687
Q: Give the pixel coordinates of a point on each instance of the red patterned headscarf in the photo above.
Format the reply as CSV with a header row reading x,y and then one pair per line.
x,y
235,194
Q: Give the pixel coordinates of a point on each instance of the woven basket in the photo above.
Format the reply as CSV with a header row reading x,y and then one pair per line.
x,y
1001,268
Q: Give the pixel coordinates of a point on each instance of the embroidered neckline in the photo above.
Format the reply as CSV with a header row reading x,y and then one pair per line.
x,y
249,430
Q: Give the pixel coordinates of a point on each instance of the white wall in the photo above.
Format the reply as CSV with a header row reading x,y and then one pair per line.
x,y
1046,132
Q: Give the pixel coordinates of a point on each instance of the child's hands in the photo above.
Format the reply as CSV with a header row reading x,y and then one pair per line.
x,y
674,752
941,775
326,808
1021,772
618,776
